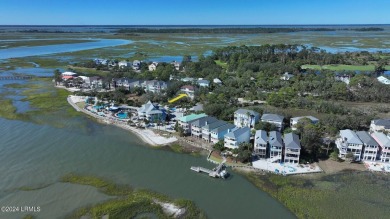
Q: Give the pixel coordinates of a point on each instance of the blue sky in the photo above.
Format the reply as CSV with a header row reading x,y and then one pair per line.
x,y
193,12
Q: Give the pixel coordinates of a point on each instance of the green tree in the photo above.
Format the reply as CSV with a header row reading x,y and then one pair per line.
x,y
219,146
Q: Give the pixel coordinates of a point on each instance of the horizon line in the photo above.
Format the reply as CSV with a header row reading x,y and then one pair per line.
x,y
183,24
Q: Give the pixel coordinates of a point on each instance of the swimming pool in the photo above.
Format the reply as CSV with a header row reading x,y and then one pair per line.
x,y
122,115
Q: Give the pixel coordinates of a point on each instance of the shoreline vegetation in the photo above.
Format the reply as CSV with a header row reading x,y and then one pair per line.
x,y
129,203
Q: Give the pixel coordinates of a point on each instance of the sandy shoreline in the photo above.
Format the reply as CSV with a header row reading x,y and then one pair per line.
x,y
146,135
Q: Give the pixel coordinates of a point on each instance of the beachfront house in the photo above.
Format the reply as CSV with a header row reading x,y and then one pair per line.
x,y
206,129
275,146
245,118
260,147
384,143
295,120
196,126
219,133
292,148
275,119
153,66
189,90
155,86
383,80
380,125
185,121
370,146
349,142
151,112
235,137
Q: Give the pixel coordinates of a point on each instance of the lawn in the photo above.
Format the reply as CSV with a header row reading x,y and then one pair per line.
x,y
224,65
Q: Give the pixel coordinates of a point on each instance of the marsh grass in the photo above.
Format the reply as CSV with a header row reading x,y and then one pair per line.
x,y
128,202
329,196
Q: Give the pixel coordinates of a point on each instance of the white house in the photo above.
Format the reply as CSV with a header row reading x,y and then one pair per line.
x,y
206,129
380,125
286,76
154,86
176,65
235,137
294,121
260,147
153,66
151,112
349,142
189,90
136,64
370,146
383,80
244,117
275,146
197,125
384,143
292,148
123,64
275,119
217,81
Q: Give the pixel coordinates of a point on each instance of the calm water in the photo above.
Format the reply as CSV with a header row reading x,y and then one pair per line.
x,y
36,156
18,52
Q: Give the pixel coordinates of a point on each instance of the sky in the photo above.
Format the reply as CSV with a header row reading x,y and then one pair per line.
x,y
193,12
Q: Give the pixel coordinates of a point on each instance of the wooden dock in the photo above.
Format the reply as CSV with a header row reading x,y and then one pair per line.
x,y
216,172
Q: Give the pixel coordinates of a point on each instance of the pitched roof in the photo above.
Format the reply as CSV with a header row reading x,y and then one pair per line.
x,y
291,140
275,139
245,111
383,122
202,121
312,118
350,136
192,117
149,108
366,138
272,117
261,137
235,133
381,138
214,125
223,128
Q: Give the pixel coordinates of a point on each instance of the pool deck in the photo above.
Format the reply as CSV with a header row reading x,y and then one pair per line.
x,y
377,166
286,168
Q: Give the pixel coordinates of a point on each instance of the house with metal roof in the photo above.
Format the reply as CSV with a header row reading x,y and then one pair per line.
x,y
246,118
196,126
151,112
295,120
276,146
261,143
235,137
218,134
384,143
185,121
292,148
349,142
275,119
380,125
206,129
370,146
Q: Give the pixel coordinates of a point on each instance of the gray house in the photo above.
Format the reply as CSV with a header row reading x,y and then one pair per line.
x,y
196,126
292,147
260,148
206,130
276,146
275,119
245,118
370,150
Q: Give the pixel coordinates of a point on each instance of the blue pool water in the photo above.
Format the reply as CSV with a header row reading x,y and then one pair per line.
x,y
122,115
